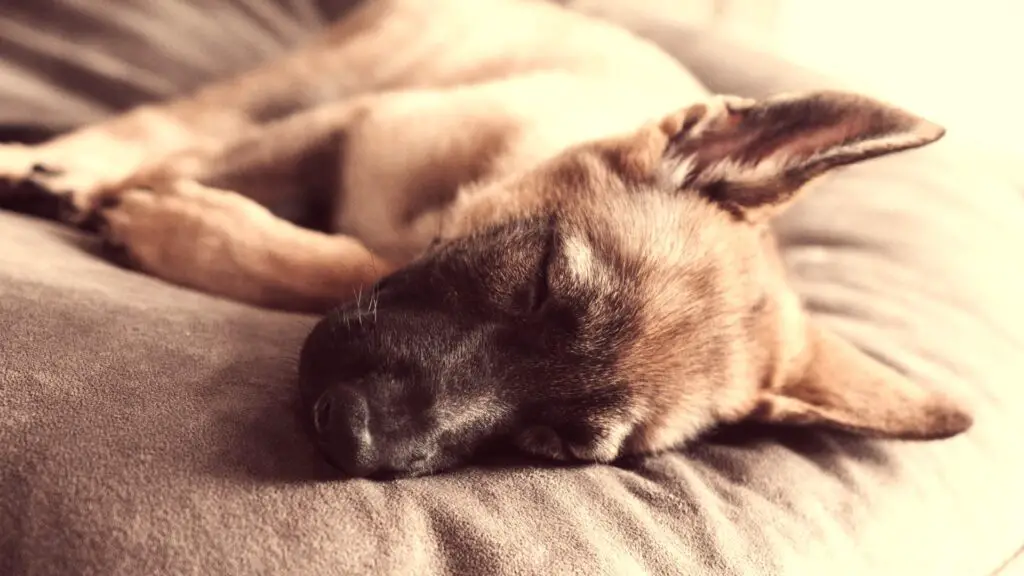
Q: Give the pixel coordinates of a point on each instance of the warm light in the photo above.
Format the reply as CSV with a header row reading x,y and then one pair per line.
x,y
957,62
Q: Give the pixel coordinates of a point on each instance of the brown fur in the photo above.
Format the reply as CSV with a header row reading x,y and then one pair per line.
x,y
660,265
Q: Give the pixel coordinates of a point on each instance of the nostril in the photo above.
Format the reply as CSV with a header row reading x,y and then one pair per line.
x,y
322,414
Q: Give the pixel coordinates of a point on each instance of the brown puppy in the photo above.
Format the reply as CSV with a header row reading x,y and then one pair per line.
x,y
540,229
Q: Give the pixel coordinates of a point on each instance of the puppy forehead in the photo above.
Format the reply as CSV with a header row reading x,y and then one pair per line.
x,y
644,230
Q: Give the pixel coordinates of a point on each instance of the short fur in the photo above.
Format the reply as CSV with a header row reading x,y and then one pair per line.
x,y
537,228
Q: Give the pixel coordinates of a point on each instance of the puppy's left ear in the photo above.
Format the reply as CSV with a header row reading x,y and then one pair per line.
x,y
751,157
842,388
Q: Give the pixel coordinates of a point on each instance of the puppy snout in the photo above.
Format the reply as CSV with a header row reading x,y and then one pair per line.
x,y
341,422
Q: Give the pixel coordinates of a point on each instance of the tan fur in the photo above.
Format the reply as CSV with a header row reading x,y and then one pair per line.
x,y
436,119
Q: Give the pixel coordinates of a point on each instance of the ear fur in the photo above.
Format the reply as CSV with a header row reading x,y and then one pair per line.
x,y
842,388
751,157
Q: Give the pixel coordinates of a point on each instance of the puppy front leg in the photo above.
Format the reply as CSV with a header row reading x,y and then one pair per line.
x,y
280,163
225,244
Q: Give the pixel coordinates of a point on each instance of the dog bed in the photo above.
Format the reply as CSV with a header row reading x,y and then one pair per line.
x,y
148,429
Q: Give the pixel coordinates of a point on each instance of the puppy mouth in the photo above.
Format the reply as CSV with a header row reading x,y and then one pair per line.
x,y
415,469
404,474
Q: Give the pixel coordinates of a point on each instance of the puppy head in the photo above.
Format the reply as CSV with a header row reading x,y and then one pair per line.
x,y
619,299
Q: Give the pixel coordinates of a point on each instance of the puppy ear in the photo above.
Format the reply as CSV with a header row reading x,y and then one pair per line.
x,y
844,389
751,157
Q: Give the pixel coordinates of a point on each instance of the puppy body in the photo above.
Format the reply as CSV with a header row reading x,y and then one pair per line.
x,y
401,108
583,226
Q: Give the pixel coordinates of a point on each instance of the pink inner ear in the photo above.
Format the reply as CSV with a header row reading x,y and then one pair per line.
x,y
792,133
822,138
731,142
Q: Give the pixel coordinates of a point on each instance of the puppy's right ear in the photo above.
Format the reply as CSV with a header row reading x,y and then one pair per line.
x,y
842,388
752,156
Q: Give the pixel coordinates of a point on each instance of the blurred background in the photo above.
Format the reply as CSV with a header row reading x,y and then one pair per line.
x,y
956,62
952,61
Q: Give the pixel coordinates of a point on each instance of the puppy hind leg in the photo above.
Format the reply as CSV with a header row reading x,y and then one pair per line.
x,y
372,48
290,166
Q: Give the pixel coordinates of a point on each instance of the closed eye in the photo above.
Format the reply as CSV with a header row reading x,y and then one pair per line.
x,y
542,285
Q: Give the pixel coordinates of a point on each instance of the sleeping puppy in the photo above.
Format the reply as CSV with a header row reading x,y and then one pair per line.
x,y
536,227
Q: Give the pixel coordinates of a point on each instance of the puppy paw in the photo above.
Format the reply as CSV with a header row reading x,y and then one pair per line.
x,y
573,442
183,232
18,191
59,181
543,442
20,165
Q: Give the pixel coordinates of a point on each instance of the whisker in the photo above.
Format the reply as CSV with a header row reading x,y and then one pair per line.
x,y
359,307
374,302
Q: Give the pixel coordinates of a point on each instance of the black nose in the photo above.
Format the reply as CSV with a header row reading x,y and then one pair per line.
x,y
342,425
